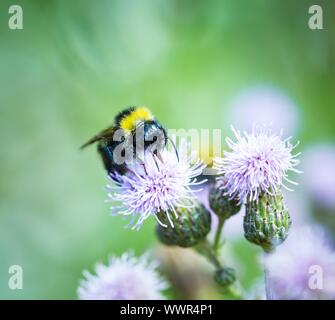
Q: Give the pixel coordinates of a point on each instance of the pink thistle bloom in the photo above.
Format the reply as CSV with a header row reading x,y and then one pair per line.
x,y
157,185
303,267
124,278
258,163
319,177
263,105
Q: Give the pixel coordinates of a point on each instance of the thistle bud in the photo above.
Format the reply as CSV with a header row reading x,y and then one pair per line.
x,y
221,204
190,226
267,221
225,276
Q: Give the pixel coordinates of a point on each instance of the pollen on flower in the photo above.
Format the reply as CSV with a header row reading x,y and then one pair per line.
x,y
258,162
159,184
123,278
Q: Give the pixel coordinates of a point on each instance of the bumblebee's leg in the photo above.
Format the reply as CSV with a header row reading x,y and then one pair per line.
x,y
106,155
105,150
174,147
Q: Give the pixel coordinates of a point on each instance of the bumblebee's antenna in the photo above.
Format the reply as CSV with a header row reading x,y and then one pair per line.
x,y
174,147
156,162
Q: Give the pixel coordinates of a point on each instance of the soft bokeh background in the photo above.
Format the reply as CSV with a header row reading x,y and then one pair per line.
x,y
76,63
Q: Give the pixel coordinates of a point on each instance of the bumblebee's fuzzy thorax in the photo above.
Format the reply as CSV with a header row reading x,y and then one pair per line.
x,y
140,130
128,120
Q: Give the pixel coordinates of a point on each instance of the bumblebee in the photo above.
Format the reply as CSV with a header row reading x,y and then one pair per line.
x,y
130,122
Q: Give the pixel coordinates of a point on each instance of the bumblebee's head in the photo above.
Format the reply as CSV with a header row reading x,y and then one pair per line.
x,y
154,133
145,129
149,135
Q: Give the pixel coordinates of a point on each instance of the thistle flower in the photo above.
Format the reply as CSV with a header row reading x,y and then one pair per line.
x,y
158,185
124,278
220,203
258,163
303,267
319,177
263,105
233,227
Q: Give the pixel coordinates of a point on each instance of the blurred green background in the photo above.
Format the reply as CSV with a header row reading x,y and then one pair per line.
x,y
75,64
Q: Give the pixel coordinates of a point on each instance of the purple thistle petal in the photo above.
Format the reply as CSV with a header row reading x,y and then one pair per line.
x,y
258,163
124,278
291,266
159,184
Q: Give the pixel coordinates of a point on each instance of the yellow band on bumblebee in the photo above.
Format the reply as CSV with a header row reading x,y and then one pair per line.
x,y
128,123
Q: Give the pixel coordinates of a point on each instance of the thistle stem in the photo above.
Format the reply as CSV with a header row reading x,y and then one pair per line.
x,y
268,292
216,244
234,293
204,248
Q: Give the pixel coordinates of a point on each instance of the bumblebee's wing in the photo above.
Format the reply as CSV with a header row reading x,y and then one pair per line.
x,y
108,132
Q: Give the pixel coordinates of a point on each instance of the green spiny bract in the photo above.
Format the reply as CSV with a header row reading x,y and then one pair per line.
x,y
191,226
225,276
220,203
267,221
